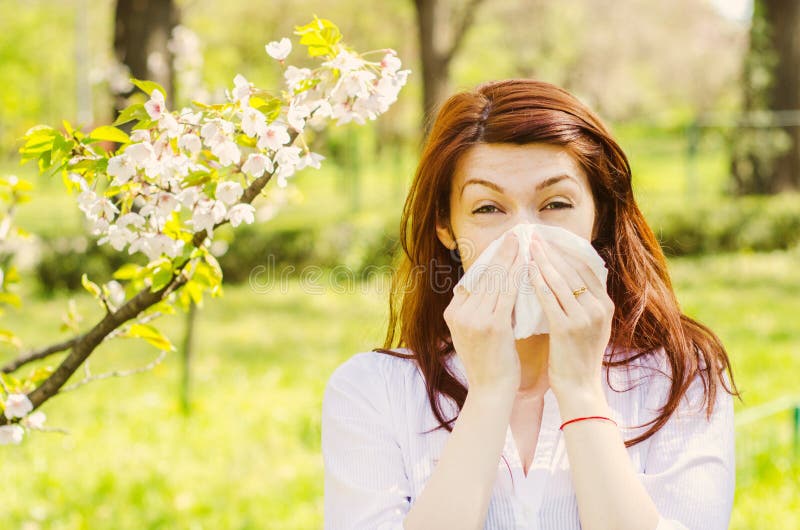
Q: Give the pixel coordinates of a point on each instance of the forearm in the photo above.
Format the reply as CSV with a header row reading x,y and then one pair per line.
x,y
458,492
608,493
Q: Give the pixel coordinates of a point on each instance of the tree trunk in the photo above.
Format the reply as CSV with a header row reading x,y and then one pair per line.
x,y
142,29
435,70
784,18
441,33
765,153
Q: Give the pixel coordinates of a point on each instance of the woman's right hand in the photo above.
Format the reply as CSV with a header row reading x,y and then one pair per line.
x,y
480,322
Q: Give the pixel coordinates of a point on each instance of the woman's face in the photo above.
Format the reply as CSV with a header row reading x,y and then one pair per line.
x,y
497,186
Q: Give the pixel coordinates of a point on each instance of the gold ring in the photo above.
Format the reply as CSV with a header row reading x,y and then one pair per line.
x,y
579,290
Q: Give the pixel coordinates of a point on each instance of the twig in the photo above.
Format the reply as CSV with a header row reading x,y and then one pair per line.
x,y
116,373
40,354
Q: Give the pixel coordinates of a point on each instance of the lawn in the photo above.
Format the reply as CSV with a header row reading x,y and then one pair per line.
x,y
248,456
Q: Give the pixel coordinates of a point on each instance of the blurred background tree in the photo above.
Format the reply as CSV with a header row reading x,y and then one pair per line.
x,y
142,31
765,154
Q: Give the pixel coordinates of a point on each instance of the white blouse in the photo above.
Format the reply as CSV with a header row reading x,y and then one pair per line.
x,y
376,460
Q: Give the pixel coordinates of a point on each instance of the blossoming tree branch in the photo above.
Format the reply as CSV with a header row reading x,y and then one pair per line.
x,y
172,182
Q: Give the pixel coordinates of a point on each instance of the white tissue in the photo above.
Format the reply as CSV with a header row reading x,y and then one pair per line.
x,y
528,318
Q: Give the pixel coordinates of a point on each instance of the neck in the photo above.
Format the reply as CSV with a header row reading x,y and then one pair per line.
x,y
534,352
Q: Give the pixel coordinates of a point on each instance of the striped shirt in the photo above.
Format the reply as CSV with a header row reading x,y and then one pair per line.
x,y
377,459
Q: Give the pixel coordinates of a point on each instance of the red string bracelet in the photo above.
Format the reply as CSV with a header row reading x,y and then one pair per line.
x,y
586,418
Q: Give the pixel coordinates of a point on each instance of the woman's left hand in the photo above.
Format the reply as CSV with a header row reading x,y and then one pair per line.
x,y
580,325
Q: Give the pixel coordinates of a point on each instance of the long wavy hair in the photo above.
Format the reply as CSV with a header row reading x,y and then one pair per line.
x,y
647,318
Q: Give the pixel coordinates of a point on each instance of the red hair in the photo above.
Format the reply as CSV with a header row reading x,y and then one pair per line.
x,y
647,318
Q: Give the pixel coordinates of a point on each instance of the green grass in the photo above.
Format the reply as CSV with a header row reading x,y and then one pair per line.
x,y
249,455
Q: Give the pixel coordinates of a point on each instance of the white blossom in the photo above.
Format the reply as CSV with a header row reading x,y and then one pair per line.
x,y
189,196
118,237
345,62
310,160
35,420
294,76
241,213
122,168
275,136
190,142
279,49
142,153
242,91
357,84
254,123
206,214
17,406
227,152
297,116
98,225
101,208
390,63
257,164
155,106
11,434
216,131
229,192
163,244
287,156
169,124
192,118
130,218
140,135
116,292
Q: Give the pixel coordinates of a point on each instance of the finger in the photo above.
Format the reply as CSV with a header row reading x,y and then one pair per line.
x,y
564,267
494,274
597,295
460,294
552,309
585,273
506,299
554,279
582,266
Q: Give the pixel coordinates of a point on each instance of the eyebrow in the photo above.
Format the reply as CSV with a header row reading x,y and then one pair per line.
x,y
549,181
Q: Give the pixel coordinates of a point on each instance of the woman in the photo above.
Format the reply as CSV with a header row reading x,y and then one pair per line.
x,y
545,437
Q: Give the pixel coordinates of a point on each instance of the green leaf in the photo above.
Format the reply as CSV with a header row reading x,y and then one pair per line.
x,y
128,271
40,374
196,178
93,288
271,108
151,335
9,338
306,84
38,140
10,299
320,36
162,274
134,112
109,133
148,86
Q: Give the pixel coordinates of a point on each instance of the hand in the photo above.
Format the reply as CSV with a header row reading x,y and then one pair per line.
x,y
480,322
580,326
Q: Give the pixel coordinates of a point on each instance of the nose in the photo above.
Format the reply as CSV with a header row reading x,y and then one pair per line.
x,y
530,217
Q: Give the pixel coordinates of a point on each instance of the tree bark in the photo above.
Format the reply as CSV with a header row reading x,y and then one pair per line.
x,y
142,29
765,151
783,17
440,37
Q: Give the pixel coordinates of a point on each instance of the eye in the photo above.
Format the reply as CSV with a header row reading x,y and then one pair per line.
x,y
558,205
485,206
